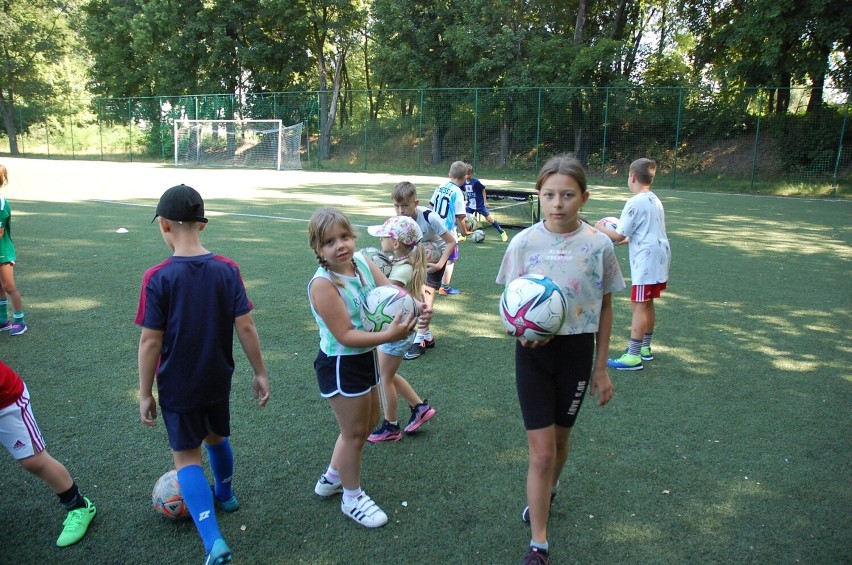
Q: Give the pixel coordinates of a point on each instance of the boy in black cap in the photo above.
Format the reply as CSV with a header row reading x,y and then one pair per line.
x,y
189,306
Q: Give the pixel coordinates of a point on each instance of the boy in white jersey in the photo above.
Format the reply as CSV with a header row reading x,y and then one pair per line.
x,y
553,376
405,203
448,201
644,222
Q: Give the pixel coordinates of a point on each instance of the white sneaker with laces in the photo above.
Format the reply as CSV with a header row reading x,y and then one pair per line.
x,y
364,511
325,487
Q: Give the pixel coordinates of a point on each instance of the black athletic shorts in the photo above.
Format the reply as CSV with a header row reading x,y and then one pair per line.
x,y
349,375
433,280
552,379
186,430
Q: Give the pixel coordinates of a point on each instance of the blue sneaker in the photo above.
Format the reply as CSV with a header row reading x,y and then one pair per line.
x,y
448,291
17,328
5,326
230,505
626,362
219,554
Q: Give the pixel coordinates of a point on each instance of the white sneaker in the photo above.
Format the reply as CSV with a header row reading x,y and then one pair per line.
x,y
327,488
364,511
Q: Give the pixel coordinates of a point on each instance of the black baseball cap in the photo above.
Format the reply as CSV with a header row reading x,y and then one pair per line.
x,y
181,203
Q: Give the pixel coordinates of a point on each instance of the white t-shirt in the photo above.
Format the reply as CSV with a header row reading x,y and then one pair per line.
x,y
583,263
644,222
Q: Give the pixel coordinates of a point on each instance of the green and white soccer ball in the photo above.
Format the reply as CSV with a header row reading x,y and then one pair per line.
x,y
471,222
378,257
478,236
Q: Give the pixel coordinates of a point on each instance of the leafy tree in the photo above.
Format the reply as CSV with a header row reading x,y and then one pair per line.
x,y
35,43
771,44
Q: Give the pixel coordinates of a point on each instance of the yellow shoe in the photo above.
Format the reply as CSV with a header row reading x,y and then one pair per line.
x,y
504,236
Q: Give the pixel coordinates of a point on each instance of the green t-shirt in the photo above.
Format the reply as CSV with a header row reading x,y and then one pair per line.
x,y
7,248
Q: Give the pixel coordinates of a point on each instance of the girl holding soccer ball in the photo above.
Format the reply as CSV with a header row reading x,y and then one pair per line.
x,y
346,362
552,376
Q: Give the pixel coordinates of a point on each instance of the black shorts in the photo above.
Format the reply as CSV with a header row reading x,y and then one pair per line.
x,y
187,430
552,380
433,280
349,375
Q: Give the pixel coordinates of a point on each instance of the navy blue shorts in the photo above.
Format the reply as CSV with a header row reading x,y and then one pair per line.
x,y
349,375
482,210
187,430
552,380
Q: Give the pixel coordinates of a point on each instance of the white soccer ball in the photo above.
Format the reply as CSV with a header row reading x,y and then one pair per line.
x,y
471,222
608,225
383,303
167,498
380,258
432,251
532,307
478,236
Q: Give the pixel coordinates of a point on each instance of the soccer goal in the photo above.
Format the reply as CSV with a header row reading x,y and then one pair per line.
x,y
513,208
261,144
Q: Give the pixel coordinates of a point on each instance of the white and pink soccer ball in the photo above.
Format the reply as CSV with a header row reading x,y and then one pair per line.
x,y
532,307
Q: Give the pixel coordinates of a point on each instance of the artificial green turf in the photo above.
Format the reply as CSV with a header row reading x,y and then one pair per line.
x,y
731,446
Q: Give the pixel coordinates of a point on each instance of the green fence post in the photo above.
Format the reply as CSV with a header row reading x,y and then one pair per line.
x,y
71,135
538,130
840,148
130,126
605,131
420,133
756,140
100,129
475,123
366,124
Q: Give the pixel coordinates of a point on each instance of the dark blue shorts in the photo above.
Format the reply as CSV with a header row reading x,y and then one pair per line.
x,y
349,375
187,430
552,380
482,210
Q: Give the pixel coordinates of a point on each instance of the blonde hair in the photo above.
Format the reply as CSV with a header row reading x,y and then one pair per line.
x,y
404,191
321,222
416,257
458,170
4,175
644,170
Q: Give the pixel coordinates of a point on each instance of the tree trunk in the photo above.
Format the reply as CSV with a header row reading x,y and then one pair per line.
x,y
7,108
438,144
818,82
505,137
325,131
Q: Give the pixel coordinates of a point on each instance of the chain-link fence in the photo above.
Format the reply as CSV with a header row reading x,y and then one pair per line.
x,y
711,139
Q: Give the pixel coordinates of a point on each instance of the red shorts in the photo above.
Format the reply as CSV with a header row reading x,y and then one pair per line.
x,y
646,292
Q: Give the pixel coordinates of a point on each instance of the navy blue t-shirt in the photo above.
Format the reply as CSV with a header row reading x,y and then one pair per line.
x,y
194,301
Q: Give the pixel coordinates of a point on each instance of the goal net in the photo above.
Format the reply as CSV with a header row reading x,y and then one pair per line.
x,y
261,144
513,208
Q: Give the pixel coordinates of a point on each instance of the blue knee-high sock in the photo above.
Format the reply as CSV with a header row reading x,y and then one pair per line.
x,y
222,464
196,493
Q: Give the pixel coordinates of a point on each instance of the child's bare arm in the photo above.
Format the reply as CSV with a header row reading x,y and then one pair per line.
x,y
150,344
601,383
250,342
328,304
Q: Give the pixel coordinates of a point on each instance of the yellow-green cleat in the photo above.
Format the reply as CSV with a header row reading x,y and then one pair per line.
x,y
76,524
